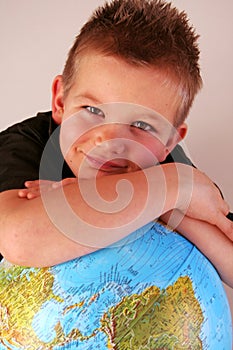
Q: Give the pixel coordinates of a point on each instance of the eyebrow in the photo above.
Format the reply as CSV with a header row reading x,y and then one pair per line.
x,y
88,96
152,115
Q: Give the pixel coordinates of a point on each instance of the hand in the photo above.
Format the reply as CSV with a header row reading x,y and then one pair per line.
x,y
200,199
34,188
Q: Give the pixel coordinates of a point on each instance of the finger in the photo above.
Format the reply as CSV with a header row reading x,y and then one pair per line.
x,y
38,183
225,225
22,193
30,184
226,208
64,182
56,184
32,195
29,193
69,181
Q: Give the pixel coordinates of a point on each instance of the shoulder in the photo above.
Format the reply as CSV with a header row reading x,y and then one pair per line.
x,y
37,128
178,156
21,147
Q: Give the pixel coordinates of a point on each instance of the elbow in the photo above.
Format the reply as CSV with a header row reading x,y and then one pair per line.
x,y
11,247
16,224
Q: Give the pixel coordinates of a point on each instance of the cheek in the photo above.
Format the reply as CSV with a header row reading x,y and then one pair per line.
x,y
69,135
73,160
159,150
76,162
74,133
153,152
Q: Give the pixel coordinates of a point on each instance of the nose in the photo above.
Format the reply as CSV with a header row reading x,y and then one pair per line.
x,y
111,138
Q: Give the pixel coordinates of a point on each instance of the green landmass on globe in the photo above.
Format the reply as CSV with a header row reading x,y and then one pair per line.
x,y
153,319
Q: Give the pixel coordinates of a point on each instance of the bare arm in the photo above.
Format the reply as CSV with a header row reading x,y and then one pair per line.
x,y
28,237
31,237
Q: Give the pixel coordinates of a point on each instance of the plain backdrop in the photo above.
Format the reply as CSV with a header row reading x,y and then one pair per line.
x,y
35,36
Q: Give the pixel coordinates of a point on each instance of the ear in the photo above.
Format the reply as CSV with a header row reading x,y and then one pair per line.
x,y
57,99
177,135
181,132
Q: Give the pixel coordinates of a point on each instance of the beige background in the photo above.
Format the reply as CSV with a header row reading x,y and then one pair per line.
x,y
35,36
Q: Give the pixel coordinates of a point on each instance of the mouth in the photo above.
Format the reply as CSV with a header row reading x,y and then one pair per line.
x,y
107,165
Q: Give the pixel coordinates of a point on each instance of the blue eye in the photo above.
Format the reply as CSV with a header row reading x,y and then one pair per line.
x,y
143,126
94,110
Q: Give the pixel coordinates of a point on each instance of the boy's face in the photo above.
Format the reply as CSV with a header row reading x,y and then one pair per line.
x,y
111,119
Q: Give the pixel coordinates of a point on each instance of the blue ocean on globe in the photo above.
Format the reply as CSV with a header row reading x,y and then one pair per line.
x,y
153,290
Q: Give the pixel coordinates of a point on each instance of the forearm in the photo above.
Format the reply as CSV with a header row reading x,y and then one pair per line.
x,y
36,232
29,238
211,242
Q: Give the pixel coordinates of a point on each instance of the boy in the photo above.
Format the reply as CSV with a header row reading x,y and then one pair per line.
x,y
121,103
162,76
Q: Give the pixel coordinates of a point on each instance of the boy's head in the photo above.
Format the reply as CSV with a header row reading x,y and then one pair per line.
x,y
143,33
134,52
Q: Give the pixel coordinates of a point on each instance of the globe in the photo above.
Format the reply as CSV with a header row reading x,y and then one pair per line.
x,y
154,290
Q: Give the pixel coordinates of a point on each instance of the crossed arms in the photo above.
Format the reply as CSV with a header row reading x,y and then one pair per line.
x,y
32,236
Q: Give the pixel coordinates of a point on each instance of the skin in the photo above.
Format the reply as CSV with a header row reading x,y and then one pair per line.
x,y
101,119
94,151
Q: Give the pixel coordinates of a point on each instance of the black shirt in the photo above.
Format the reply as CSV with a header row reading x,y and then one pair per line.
x,y
21,149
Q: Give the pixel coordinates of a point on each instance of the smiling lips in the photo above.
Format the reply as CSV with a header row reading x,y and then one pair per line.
x,y
105,165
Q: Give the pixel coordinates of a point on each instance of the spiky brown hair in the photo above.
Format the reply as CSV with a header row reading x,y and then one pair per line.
x,y
143,32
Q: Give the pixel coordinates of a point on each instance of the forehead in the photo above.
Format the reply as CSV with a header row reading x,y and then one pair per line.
x,y
107,79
